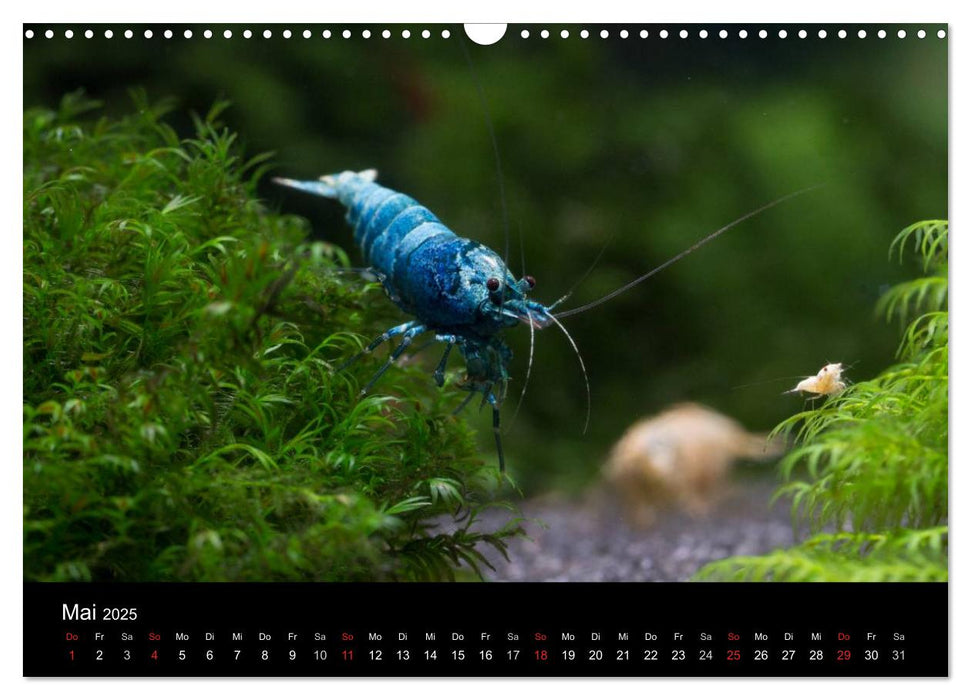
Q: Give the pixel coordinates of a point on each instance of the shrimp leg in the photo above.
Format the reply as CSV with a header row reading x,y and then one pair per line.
x,y
491,398
384,337
439,374
465,402
414,328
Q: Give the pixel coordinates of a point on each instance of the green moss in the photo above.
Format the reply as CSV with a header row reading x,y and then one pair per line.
x,y
872,461
183,419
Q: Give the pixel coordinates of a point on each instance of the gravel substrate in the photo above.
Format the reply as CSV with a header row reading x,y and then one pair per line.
x,y
592,538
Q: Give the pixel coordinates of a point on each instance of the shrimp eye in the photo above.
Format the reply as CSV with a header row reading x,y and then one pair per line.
x,y
492,284
531,281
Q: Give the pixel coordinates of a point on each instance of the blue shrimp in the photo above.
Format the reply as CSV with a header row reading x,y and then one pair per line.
x,y
459,289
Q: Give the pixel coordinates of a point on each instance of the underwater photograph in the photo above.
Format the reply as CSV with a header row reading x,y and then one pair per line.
x,y
590,303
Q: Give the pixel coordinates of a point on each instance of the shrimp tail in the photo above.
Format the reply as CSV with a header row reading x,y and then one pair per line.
x,y
328,185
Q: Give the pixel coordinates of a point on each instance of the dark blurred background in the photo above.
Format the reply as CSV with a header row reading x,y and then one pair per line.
x,y
651,143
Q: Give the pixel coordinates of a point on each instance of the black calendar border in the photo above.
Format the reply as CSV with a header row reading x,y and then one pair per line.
x,y
919,611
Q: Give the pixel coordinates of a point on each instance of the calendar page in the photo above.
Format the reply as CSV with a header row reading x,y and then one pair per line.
x,y
485,350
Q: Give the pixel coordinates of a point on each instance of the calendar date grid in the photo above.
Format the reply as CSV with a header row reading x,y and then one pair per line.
x,y
334,651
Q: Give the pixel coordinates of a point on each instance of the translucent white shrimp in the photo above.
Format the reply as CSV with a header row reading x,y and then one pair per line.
x,y
827,382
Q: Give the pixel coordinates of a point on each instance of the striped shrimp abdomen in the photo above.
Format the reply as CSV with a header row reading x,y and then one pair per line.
x,y
390,228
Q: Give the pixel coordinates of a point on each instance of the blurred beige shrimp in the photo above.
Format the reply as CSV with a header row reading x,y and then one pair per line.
x,y
680,457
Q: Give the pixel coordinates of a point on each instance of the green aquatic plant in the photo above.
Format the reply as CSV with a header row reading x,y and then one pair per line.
x,y
868,475
182,416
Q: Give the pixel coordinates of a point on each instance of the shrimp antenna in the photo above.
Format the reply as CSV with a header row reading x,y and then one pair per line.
x,y
583,368
707,239
522,249
529,370
768,381
596,260
532,334
495,152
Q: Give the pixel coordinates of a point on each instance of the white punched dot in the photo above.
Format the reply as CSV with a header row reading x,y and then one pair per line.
x,y
346,33
901,34
623,34
227,34
49,34
287,34
88,34
663,34
167,33
643,34
783,33
425,34
367,34
405,34
207,34
802,34
545,34
446,34
109,33
861,33
524,34
29,34
742,34
882,34
723,34
247,34
841,33
326,34
604,33
683,33
703,33
386,34
69,34
564,34
306,34
267,33
941,34
485,34
148,33
129,33
584,34
763,34
921,34
187,33
822,33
